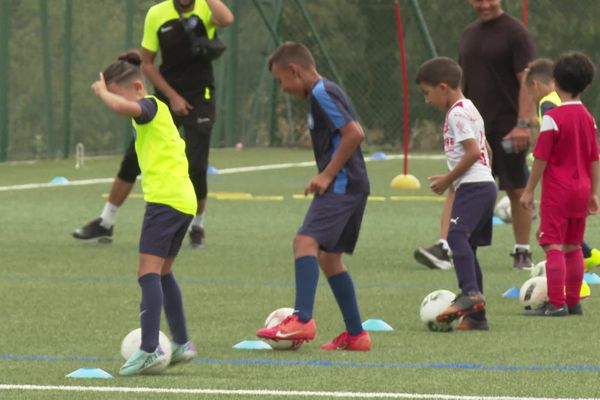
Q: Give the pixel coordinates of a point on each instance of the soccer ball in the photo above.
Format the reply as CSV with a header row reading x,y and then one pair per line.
x,y
275,318
132,342
502,209
539,269
433,304
534,293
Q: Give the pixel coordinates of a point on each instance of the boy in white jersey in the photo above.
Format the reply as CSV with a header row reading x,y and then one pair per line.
x,y
471,177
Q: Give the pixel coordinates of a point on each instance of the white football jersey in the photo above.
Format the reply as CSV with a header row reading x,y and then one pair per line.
x,y
463,122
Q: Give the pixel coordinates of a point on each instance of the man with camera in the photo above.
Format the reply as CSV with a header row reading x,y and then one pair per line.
x,y
184,32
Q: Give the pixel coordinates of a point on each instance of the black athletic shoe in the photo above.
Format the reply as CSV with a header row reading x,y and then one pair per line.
x,y
434,257
522,259
93,232
548,310
197,237
461,306
576,309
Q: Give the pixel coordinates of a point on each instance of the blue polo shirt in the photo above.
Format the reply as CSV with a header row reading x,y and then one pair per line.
x,y
329,110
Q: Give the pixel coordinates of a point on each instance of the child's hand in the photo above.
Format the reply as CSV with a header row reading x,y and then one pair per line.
x,y
318,184
99,86
594,204
526,200
438,183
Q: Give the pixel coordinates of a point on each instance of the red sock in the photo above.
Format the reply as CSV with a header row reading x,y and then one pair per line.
x,y
556,274
574,277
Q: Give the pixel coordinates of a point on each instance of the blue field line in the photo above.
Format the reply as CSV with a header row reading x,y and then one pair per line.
x,y
325,363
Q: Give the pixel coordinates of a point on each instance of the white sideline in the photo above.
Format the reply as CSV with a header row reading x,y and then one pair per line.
x,y
263,392
224,171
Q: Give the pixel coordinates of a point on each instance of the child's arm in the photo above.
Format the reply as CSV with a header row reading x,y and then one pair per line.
x,y
439,183
351,136
117,103
537,169
594,204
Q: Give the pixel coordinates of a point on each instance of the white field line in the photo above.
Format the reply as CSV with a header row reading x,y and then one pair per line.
x,y
224,171
259,392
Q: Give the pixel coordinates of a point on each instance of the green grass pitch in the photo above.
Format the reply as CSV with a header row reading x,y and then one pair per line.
x,y
67,305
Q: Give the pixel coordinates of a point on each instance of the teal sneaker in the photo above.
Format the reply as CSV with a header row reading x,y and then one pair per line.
x,y
141,362
183,353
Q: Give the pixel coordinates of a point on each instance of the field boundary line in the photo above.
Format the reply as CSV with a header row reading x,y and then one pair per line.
x,y
225,171
265,392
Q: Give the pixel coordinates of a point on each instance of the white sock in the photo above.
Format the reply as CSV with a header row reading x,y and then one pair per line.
x,y
198,220
521,246
109,215
445,244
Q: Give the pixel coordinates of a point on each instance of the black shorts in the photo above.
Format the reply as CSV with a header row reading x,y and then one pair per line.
x,y
334,220
473,210
510,168
163,230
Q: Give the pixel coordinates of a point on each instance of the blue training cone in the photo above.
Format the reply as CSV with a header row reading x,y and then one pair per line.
x,y
497,221
379,156
376,325
513,292
591,278
252,345
212,170
59,179
89,373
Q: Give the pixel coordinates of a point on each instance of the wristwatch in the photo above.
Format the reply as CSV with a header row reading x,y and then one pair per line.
x,y
523,123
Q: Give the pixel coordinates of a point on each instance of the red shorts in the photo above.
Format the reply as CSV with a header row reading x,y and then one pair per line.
x,y
557,229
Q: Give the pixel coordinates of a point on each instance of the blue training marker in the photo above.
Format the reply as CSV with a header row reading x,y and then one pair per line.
x,y
212,170
513,292
591,278
252,345
97,373
379,156
376,325
497,221
59,179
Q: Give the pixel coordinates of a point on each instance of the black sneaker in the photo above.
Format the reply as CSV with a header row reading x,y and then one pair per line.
x,y
197,237
461,306
472,324
434,257
548,310
522,259
93,232
576,309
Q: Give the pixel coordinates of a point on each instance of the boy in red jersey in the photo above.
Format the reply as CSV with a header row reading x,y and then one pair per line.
x,y
566,155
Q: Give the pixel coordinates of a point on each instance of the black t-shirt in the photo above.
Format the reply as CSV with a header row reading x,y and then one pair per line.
x,y
491,55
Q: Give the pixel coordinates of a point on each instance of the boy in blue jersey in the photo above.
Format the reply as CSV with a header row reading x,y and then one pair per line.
x,y
540,84
332,223
170,206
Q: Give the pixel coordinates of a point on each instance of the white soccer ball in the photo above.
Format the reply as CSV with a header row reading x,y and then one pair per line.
x,y
534,293
539,269
132,342
502,209
275,318
433,304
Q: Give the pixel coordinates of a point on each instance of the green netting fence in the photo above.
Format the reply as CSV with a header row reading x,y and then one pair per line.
x,y
52,50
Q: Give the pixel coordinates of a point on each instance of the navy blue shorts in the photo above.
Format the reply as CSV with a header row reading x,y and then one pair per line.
x,y
333,220
473,210
163,230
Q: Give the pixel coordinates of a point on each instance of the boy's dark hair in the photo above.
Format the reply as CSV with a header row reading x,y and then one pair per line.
x,y
573,72
540,70
440,70
125,70
292,52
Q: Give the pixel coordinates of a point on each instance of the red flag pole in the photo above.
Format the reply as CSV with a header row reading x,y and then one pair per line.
x,y
525,12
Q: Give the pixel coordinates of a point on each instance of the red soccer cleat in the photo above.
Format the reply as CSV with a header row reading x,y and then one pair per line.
x,y
345,341
290,328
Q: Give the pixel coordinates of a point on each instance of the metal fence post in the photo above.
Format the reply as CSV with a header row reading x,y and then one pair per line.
x,y
231,116
128,45
67,77
423,27
4,77
51,140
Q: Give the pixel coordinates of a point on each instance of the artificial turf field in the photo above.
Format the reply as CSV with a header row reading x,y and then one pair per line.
x,y
67,305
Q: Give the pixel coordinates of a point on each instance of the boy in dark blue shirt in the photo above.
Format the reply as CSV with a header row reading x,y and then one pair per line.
x,y
332,223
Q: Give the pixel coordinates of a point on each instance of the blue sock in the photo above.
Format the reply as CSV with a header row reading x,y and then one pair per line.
x,y
174,308
343,290
150,309
587,252
307,278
